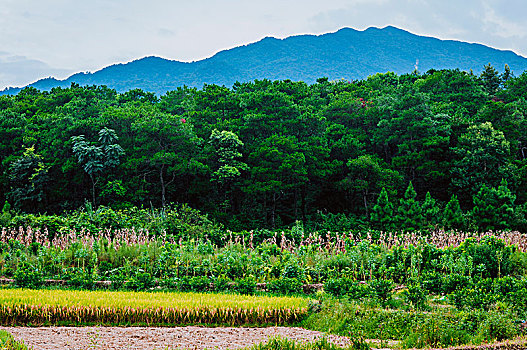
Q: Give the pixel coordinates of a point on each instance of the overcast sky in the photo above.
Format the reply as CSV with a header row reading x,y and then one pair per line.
x,y
58,37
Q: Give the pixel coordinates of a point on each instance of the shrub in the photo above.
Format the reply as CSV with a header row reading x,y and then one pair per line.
x,y
354,290
199,283
141,281
453,282
338,286
431,281
28,276
415,296
118,278
357,291
78,277
382,289
292,270
222,284
518,297
246,285
285,285
497,326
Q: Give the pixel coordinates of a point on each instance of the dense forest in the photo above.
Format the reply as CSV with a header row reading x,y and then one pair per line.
x,y
392,152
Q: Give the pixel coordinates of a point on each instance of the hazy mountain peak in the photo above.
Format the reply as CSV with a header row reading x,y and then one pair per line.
x,y
347,53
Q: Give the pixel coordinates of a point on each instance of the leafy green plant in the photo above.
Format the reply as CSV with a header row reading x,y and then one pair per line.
x,y
382,289
199,283
338,286
285,286
28,275
415,296
141,281
498,326
222,284
246,286
454,281
7,342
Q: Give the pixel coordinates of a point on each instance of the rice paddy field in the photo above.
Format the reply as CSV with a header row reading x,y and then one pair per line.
x,y
63,307
119,299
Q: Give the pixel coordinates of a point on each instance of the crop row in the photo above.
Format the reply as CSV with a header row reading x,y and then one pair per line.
x,y
12,297
290,240
38,315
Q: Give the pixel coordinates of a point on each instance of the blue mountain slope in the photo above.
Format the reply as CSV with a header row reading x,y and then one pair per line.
x,y
347,53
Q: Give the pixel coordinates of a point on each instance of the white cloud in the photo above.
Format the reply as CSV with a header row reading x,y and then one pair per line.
x,y
87,35
501,26
15,68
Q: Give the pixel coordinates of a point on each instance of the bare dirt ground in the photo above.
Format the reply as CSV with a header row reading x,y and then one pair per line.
x,y
150,338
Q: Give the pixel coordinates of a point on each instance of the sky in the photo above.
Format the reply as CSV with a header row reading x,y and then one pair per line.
x,y
56,38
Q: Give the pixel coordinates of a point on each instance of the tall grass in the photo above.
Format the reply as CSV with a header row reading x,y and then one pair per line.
x,y
7,342
318,344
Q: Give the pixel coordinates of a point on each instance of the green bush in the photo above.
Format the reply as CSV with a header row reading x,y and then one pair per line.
x,y
498,326
454,281
199,283
222,284
171,283
285,285
415,296
338,286
28,275
431,281
118,278
382,289
78,277
292,269
358,291
246,285
141,281
518,297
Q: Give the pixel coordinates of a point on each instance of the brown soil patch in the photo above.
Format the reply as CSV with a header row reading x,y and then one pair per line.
x,y
150,338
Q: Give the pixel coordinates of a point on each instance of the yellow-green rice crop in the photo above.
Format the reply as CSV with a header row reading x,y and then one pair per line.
x,y
144,299
24,306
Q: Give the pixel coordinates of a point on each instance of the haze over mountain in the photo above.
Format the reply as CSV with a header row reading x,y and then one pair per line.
x,y
345,54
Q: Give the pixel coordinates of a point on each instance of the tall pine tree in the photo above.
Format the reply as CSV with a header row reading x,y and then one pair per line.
x,y
430,211
382,213
452,215
493,207
409,215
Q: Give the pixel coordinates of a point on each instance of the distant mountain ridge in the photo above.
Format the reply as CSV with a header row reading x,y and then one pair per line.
x,y
347,53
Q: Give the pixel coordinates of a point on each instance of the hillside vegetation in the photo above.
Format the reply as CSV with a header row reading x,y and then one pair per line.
x,y
443,149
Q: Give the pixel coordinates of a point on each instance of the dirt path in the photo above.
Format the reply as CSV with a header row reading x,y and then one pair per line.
x,y
150,338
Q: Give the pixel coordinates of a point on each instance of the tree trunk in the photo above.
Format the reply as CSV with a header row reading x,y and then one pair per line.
x,y
296,204
273,211
365,198
163,190
266,219
93,191
303,202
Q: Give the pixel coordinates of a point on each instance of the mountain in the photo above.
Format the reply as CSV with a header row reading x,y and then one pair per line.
x,y
347,53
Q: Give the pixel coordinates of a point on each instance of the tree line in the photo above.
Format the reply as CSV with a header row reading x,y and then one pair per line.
x,y
445,148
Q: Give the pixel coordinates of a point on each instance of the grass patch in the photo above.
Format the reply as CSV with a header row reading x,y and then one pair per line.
x,y
419,329
318,344
7,342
